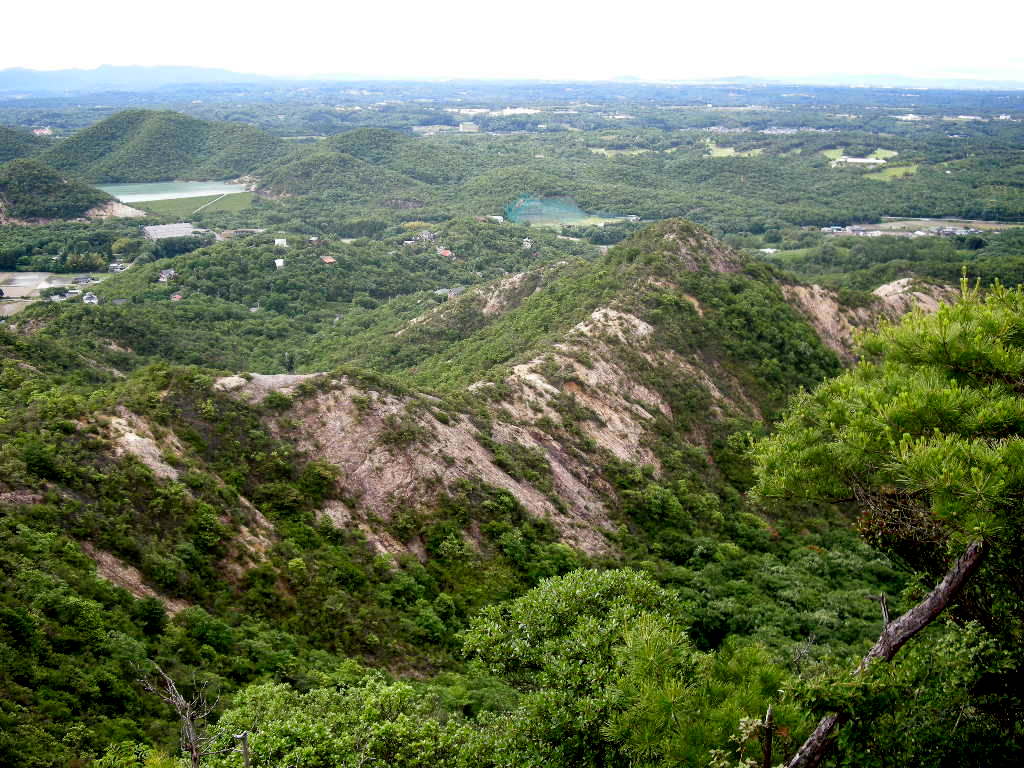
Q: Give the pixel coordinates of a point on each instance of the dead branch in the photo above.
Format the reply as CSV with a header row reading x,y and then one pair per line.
x,y
893,637
192,714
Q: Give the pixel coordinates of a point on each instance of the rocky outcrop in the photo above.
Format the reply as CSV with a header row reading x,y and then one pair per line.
x,y
132,436
901,296
393,452
836,324
121,574
254,387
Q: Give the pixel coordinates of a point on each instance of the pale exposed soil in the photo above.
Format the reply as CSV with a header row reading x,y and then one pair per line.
x,y
624,407
901,296
381,476
128,577
114,209
254,387
132,436
836,324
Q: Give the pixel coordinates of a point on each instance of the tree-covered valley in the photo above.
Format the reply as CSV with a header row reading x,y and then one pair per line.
x,y
376,469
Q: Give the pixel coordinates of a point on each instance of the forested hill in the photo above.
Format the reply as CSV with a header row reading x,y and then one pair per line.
x,y
144,145
16,143
30,189
581,412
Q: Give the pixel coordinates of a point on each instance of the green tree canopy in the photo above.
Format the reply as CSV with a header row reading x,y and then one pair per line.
x,y
924,436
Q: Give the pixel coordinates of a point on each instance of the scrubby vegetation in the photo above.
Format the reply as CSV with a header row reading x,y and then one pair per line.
x,y
630,498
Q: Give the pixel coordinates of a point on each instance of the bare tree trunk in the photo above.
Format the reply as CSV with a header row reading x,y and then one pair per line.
x,y
191,712
893,637
767,735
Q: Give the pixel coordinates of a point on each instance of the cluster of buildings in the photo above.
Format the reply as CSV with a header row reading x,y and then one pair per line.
x,y
425,236
156,232
856,230
846,160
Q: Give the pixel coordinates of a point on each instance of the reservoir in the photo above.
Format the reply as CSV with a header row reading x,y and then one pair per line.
x,y
170,190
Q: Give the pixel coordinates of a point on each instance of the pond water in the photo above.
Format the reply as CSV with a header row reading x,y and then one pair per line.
x,y
169,190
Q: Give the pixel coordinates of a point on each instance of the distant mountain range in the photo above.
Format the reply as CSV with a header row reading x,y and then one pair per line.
x,y
110,78
131,78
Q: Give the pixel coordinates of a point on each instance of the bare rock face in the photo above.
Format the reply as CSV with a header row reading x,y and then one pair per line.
x,y
901,296
121,574
393,452
836,324
254,387
132,436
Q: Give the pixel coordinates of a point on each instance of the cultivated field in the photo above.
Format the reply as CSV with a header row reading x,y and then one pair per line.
x,y
185,206
893,172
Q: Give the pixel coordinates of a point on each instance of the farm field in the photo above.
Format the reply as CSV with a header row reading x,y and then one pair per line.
x,y
893,172
185,206
717,151
909,225
617,152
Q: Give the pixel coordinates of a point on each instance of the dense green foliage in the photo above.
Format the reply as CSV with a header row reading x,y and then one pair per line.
x,y
657,174
15,143
32,190
926,437
451,624
864,263
69,246
142,145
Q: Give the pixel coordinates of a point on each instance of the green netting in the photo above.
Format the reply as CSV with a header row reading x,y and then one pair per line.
x,y
545,210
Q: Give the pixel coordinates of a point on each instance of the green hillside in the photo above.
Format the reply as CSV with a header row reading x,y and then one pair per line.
x,y
227,517
374,145
338,177
179,484
16,143
143,145
29,189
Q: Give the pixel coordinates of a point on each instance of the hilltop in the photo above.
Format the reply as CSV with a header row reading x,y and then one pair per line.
x,y
144,145
30,189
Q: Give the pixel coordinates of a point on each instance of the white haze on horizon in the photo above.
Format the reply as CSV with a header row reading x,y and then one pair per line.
x,y
530,39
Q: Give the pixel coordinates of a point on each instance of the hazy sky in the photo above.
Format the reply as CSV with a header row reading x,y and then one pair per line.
x,y
554,39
